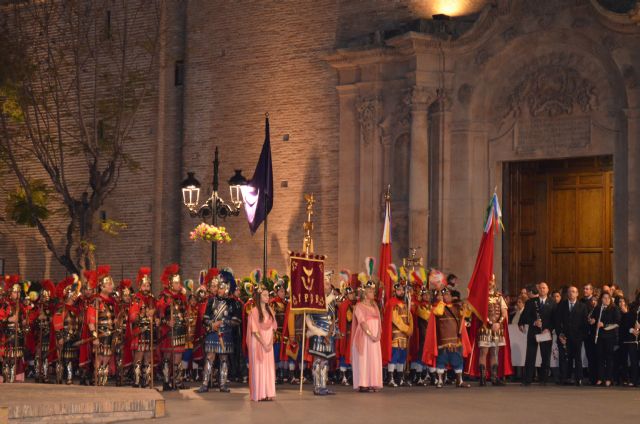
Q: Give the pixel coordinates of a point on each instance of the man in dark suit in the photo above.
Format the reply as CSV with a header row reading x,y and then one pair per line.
x,y
571,325
538,315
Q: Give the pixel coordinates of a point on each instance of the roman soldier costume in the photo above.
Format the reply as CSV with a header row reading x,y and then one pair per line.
x,y
41,330
322,331
121,340
66,328
220,318
141,320
101,320
172,310
492,341
13,319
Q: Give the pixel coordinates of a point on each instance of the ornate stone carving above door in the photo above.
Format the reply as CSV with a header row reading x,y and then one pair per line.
x,y
552,89
368,111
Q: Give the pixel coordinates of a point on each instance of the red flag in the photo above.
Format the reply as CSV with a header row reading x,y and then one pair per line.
x,y
479,284
385,255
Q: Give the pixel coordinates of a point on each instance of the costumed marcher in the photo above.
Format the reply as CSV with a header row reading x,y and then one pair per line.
x,y
85,359
279,306
321,332
366,353
261,327
13,320
491,339
238,361
172,311
101,323
423,313
345,320
397,329
41,329
192,327
220,317
121,340
447,342
141,319
66,328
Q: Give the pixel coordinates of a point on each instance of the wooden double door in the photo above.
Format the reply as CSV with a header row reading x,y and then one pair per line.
x,y
558,219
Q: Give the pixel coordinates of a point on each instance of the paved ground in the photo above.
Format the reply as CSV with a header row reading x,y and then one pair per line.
x,y
513,404
28,402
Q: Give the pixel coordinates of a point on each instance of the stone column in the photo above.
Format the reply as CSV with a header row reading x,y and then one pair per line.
x,y
633,197
348,178
421,99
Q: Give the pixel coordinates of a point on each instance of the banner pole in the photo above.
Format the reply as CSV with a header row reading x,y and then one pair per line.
x,y
304,334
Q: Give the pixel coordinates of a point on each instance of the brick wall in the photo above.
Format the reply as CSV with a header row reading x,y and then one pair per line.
x,y
242,59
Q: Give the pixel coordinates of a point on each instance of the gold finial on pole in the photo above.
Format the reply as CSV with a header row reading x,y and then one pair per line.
x,y
413,261
307,244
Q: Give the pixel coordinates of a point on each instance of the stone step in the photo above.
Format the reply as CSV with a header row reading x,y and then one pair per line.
x,y
50,403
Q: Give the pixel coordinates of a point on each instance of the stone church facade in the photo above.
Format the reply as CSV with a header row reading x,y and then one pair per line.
x,y
539,101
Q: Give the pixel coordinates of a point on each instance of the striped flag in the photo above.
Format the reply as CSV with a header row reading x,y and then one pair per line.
x,y
385,257
483,270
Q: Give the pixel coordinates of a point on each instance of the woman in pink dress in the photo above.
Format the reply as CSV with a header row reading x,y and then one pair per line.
x,y
366,354
260,328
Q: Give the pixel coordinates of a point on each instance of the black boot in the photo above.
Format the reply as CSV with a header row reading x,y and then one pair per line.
x,y
495,381
413,377
483,375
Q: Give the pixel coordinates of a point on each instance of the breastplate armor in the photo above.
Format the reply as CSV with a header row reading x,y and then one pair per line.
x,y
448,326
106,328
486,336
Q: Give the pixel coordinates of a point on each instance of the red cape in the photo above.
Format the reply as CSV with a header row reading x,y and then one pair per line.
x,y
504,354
86,351
343,344
387,329
430,351
198,347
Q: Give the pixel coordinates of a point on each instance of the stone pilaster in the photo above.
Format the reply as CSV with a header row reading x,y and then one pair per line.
x,y
421,99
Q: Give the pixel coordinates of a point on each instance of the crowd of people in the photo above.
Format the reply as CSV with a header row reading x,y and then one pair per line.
x,y
90,330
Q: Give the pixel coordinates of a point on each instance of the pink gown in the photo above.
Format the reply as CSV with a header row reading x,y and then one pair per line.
x,y
366,355
262,375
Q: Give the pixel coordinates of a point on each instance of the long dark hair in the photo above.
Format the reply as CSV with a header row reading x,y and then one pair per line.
x,y
258,301
612,303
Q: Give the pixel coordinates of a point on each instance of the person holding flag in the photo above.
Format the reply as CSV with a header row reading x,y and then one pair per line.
x,y
489,326
397,327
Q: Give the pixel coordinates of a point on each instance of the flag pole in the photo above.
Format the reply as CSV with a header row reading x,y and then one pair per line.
x,y
304,334
266,215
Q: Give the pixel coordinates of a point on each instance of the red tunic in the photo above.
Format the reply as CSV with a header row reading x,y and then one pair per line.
x,y
343,346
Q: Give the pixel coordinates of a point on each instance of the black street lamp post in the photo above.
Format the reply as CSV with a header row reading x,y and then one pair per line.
x,y
214,205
